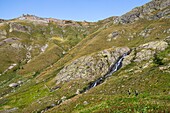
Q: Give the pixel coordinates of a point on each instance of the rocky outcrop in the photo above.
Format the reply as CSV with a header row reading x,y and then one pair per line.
x,y
13,85
165,68
144,54
45,21
155,45
146,11
89,67
145,51
146,32
18,27
129,58
97,64
112,36
8,40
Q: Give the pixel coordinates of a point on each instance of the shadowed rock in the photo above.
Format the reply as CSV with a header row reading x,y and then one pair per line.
x,y
13,85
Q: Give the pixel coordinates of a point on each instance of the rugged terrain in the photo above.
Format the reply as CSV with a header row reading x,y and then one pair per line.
x,y
119,64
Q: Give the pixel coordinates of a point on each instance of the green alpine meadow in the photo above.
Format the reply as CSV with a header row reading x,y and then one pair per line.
x,y
120,64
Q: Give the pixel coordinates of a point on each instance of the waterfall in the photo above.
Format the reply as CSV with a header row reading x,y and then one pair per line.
x,y
112,69
116,66
100,80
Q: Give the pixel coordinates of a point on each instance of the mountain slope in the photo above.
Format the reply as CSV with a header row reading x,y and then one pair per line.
x,y
51,65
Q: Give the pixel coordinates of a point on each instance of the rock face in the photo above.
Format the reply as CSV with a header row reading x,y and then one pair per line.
x,y
8,40
89,67
13,85
144,54
147,12
112,35
155,45
98,64
145,33
165,68
146,51
19,28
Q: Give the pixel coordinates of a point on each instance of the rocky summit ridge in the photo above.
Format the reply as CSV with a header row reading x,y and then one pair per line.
x,y
119,64
151,11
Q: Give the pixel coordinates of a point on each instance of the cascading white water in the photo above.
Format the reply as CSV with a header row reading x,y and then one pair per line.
x,y
100,80
113,69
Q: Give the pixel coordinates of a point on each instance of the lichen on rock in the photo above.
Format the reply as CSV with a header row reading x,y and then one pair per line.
x,y
89,67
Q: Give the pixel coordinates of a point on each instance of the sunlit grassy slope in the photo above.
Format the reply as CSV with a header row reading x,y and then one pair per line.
x,y
111,96
66,44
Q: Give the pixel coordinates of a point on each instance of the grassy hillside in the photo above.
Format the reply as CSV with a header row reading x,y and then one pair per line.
x,y
34,53
97,41
117,94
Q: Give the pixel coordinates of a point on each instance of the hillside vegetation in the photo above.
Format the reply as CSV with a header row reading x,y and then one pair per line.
x,y
50,65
